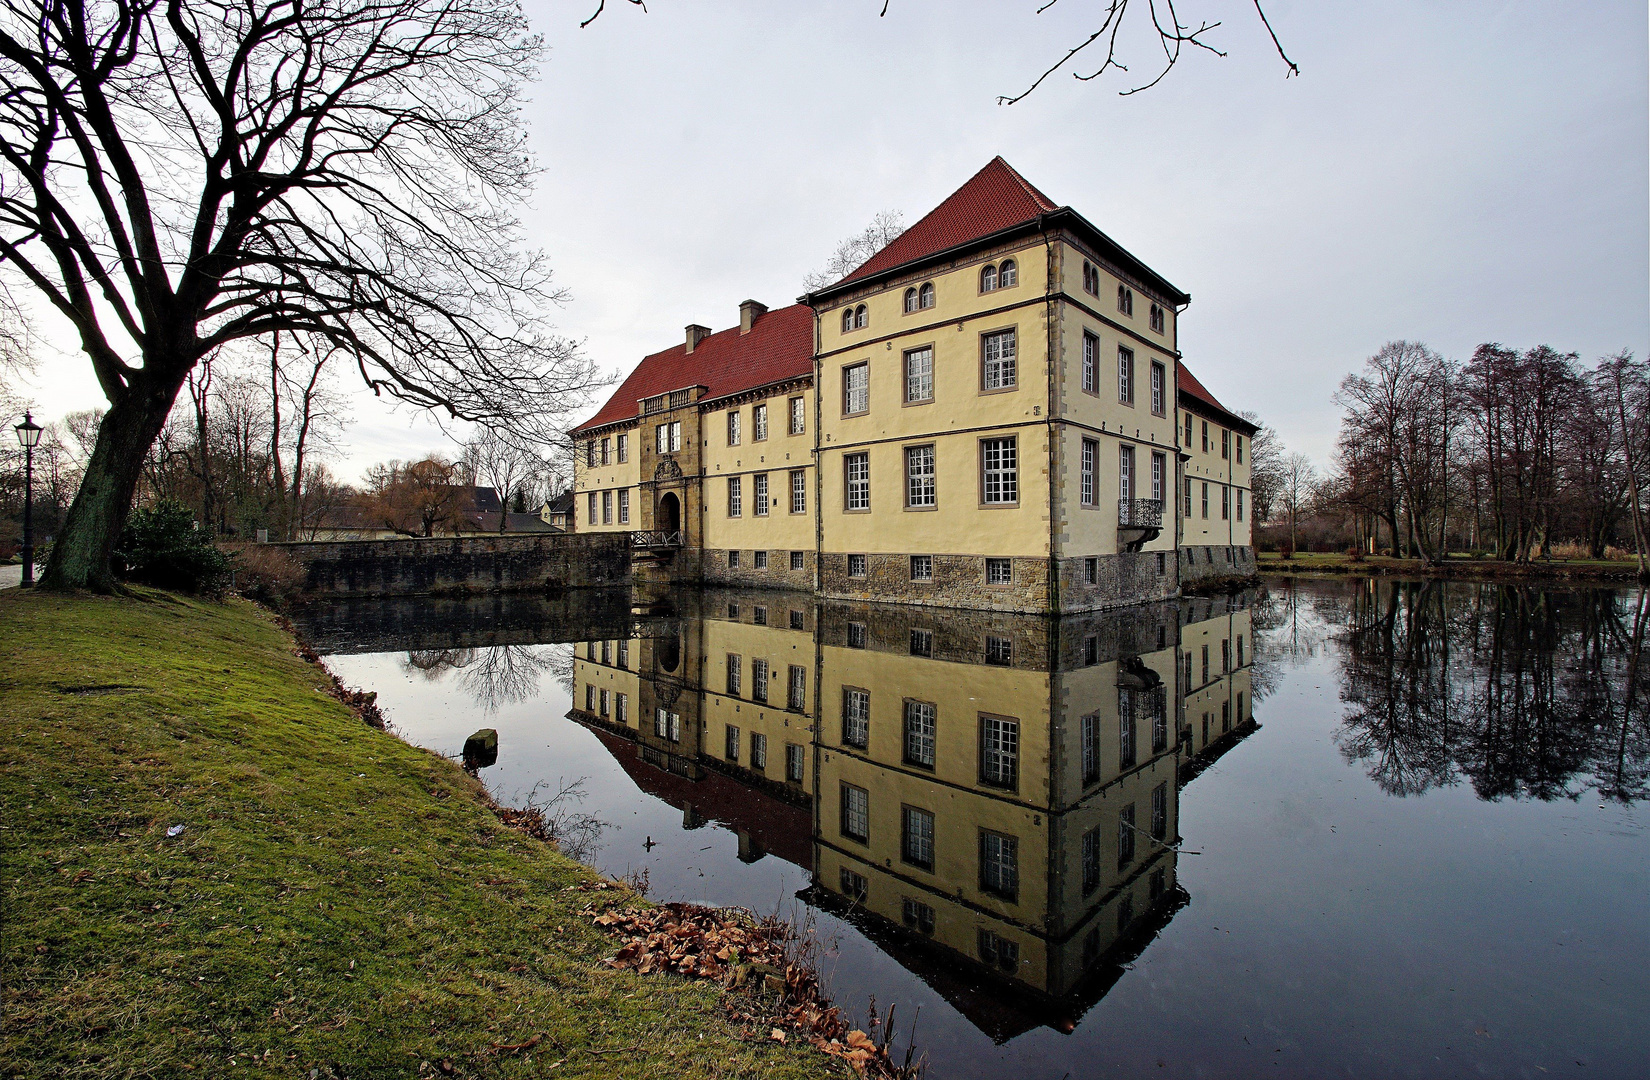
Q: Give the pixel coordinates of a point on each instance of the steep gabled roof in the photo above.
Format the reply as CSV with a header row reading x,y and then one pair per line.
x,y
780,346
1190,388
994,199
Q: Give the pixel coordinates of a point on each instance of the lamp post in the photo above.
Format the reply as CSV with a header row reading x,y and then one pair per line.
x,y
28,434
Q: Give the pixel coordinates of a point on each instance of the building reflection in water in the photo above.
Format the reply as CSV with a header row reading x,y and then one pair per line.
x,y
992,799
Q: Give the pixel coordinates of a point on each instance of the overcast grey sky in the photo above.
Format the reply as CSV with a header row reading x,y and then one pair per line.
x,y
1446,171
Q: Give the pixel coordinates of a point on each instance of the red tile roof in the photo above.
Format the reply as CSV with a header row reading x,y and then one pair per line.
x,y
1188,385
996,198
780,346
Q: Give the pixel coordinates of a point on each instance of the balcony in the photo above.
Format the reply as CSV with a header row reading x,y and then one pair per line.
x,y
1139,521
656,540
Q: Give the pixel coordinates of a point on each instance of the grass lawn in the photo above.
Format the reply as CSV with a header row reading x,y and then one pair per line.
x,y
338,904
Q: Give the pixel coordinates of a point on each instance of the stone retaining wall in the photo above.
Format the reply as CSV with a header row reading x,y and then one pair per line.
x,y
456,564
1203,562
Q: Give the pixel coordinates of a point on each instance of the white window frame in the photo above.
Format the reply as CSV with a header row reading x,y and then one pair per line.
x,y
734,432
799,491
759,423
1125,471
856,482
999,360
1125,375
1000,471
736,497
921,492
856,389
919,375
759,494
1091,363
1091,451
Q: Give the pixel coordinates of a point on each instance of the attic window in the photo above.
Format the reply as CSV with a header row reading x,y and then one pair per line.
x,y
1008,275
1157,318
1125,300
855,318
919,299
1091,278
988,278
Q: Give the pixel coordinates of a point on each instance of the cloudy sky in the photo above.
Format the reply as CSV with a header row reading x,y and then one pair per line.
x,y
1442,170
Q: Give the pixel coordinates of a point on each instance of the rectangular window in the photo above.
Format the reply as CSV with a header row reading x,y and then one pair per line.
x,y
736,501
1188,496
1239,439
1091,860
733,427
759,494
759,614
857,474
1090,736
854,886
607,652
667,725
999,471
731,749
920,726
607,445
1125,471
856,813
1225,502
759,750
999,651
1188,440
1125,375
999,864
1205,500
922,568
799,560
856,566
624,506
799,416
1240,504
793,762
1091,570
919,476
997,361
797,697
1160,811
1225,716
856,389
917,915
856,635
919,375
1160,724
590,698
1127,744
759,558
1091,451
1240,706
1225,655
734,674
1091,650
1205,436
922,642
1240,650
607,508
1125,836
1225,443
999,572
759,681
591,506
1160,380
759,423
999,952
621,711
1091,364
799,491
917,837
624,447
606,702
1160,468
1205,662
733,559
798,621
999,751
590,454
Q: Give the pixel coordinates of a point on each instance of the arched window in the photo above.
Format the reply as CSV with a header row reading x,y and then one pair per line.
x,y
847,319
1091,278
862,317
910,300
988,279
925,298
1125,300
1008,275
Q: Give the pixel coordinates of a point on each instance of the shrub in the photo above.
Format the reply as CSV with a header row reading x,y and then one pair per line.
x,y
1286,550
268,574
162,546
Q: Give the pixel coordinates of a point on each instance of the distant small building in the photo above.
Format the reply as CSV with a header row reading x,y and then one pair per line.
x,y
559,511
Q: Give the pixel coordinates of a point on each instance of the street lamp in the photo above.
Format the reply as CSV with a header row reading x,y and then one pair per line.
x,y
28,434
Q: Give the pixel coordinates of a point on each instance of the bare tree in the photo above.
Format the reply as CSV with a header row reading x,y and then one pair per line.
x,y
1625,378
1299,478
506,466
174,178
852,253
1265,467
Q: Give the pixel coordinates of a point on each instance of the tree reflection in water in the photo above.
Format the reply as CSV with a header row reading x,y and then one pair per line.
x,y
1523,692
495,676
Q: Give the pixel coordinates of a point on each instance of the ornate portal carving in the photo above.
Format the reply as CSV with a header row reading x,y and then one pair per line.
x,y
667,470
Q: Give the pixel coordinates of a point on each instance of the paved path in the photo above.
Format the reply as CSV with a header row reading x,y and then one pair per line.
x,y
11,576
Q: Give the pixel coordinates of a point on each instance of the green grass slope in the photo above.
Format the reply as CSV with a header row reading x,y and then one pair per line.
x,y
339,903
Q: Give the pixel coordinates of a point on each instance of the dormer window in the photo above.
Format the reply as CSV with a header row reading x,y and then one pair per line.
x,y
1091,278
1125,300
988,278
1008,275
1157,318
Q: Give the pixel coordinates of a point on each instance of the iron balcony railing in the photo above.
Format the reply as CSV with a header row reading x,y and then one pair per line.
x,y
656,538
1140,513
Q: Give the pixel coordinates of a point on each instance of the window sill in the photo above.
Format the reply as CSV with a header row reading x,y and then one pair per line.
x,y
921,509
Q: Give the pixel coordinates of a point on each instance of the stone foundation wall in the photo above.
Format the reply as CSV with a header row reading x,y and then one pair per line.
x,y
484,563
1123,579
959,581
958,635
714,570
1205,563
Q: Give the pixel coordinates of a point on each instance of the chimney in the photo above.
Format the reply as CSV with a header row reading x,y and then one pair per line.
x,y
749,312
696,334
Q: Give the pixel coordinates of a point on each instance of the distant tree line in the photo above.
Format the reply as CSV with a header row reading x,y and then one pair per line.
x,y
1516,454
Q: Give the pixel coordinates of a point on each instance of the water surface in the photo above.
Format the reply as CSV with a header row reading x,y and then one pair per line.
x,y
1350,828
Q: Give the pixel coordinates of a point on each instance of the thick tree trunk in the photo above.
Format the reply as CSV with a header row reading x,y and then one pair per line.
x,y
81,554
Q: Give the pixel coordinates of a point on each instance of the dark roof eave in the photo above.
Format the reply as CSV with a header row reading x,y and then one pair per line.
x,y
1215,412
1040,223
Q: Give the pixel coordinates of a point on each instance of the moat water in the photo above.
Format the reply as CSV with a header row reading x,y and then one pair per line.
x,y
1365,829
